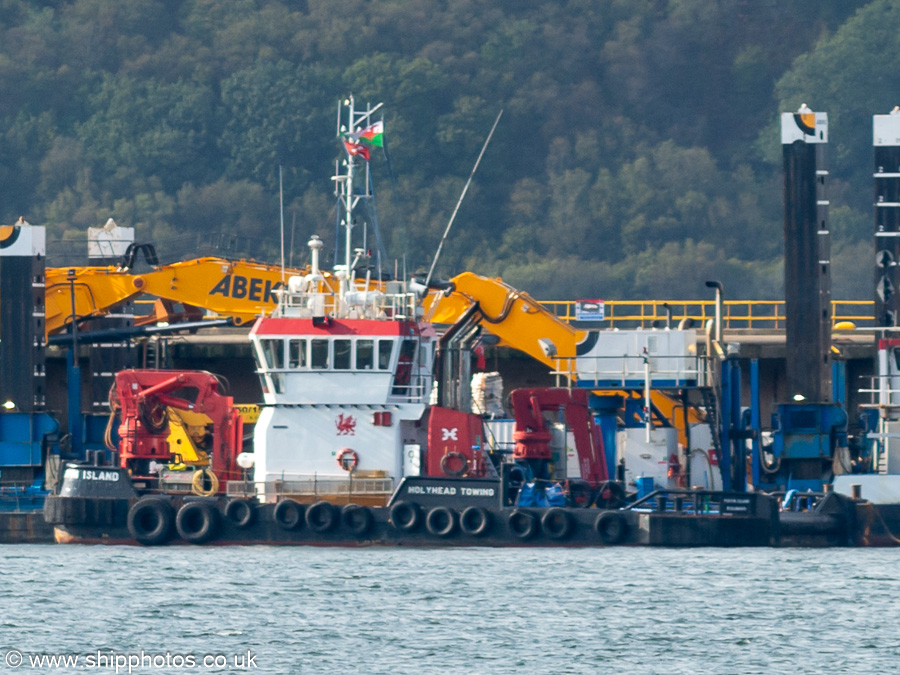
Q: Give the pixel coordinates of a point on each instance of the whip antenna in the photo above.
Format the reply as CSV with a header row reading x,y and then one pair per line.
x,y
461,197
281,209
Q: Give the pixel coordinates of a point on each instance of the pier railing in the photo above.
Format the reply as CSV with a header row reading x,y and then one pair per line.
x,y
736,314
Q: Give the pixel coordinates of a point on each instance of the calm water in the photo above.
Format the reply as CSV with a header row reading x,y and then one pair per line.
x,y
461,611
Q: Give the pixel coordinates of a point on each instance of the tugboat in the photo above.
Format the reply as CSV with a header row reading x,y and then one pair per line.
x,y
366,437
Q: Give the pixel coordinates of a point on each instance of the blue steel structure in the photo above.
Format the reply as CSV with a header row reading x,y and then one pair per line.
x,y
732,463
27,432
605,411
810,429
30,435
26,439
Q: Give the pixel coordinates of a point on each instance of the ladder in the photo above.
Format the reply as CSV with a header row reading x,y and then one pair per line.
x,y
711,405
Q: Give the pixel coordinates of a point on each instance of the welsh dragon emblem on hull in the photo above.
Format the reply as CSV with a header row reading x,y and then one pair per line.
x,y
346,425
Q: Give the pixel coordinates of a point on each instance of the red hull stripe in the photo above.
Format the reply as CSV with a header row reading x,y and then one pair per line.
x,y
288,326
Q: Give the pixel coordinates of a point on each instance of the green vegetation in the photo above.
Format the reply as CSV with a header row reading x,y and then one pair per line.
x,y
638,154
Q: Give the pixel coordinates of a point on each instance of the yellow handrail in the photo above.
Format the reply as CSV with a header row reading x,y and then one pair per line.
x,y
736,314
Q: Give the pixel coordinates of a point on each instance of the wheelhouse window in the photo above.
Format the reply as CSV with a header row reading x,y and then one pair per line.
x,y
365,355
385,349
342,352
403,376
273,352
335,354
297,354
318,354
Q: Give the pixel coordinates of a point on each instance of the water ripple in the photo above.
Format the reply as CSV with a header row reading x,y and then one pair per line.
x,y
466,610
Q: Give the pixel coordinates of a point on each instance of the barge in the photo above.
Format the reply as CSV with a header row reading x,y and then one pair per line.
x,y
425,511
367,434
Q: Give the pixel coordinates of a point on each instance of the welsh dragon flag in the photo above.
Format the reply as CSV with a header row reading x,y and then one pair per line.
x,y
359,142
372,135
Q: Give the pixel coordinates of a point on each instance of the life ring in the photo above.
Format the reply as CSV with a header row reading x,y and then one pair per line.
x,y
150,521
441,521
405,516
348,460
475,521
523,524
241,512
358,519
611,526
199,483
320,517
196,522
454,473
288,514
557,523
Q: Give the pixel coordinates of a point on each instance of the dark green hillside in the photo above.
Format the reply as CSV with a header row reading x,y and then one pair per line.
x,y
637,155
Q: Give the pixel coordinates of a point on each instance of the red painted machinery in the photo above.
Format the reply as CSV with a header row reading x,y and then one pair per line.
x,y
455,444
142,398
532,435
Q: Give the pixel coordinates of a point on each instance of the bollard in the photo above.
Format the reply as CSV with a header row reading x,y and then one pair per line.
x,y
856,490
661,504
679,504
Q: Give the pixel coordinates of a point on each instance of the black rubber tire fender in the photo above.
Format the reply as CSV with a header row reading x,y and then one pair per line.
x,y
475,521
150,521
610,495
321,517
357,519
441,521
581,494
197,522
523,524
612,527
406,516
288,514
241,512
557,523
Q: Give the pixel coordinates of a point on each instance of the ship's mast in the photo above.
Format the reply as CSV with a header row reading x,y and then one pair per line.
x,y
351,121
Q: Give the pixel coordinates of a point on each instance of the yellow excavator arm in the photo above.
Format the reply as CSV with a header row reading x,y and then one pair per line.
x,y
524,324
96,291
515,317
238,289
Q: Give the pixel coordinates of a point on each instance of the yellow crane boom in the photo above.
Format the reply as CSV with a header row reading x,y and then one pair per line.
x,y
238,289
515,317
523,323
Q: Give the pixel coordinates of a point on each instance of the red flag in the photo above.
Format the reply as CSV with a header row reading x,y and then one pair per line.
x,y
354,149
